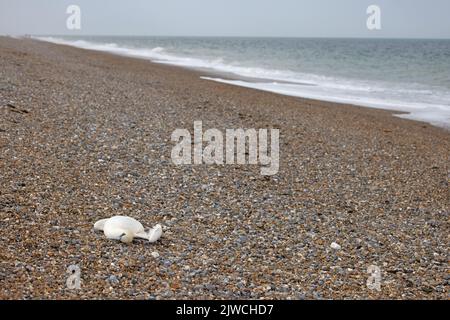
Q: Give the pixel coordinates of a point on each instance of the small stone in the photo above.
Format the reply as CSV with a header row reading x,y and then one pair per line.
x,y
113,279
155,254
335,246
210,287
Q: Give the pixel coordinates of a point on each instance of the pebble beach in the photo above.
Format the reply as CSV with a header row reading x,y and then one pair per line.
x,y
86,135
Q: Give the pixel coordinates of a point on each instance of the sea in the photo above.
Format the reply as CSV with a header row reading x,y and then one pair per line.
x,y
407,75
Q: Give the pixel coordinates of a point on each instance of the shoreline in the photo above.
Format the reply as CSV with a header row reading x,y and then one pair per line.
x,y
85,135
403,111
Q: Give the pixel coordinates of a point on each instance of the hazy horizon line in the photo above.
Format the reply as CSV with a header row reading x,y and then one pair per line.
x,y
220,36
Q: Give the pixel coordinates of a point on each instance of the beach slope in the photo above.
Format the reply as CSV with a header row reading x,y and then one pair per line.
x,y
86,135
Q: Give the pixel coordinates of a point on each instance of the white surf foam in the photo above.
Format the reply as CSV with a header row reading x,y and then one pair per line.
x,y
438,115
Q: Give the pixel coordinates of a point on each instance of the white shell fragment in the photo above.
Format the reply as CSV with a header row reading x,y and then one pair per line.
x,y
335,246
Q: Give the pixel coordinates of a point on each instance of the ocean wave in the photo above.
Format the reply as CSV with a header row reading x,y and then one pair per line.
x,y
435,114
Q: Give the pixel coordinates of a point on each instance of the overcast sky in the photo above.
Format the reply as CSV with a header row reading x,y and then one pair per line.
x,y
271,18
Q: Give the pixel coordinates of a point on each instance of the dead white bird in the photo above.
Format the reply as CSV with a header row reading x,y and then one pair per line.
x,y
125,229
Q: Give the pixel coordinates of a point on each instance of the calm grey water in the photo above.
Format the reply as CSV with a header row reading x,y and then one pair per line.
x,y
405,75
